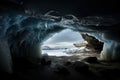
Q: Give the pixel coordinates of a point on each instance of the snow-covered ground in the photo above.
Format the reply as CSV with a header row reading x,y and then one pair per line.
x,y
64,52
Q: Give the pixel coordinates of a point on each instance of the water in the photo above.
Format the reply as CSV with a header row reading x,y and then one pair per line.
x,y
59,52
62,52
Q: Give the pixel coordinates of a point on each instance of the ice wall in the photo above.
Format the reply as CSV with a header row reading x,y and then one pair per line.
x,y
111,47
5,57
25,33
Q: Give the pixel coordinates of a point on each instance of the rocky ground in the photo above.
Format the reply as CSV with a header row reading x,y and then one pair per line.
x,y
63,68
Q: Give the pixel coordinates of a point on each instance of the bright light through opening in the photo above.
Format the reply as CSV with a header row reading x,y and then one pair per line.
x,y
61,43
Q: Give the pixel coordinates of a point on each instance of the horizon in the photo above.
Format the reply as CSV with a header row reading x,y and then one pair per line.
x,y
63,39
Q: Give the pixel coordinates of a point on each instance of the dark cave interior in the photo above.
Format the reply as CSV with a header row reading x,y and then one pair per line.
x,y
26,24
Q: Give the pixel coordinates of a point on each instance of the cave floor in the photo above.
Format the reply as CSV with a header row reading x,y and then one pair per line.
x,y
57,69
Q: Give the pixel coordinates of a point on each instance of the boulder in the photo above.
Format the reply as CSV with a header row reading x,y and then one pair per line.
x,y
45,61
91,60
68,63
93,43
80,67
62,70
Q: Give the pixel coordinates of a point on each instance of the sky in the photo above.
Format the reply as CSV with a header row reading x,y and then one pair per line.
x,y
65,38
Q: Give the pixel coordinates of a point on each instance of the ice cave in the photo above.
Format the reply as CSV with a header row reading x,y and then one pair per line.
x,y
27,26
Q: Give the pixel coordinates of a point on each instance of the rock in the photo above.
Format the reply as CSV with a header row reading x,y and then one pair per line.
x,y
45,62
93,43
67,63
80,67
61,70
91,60
45,59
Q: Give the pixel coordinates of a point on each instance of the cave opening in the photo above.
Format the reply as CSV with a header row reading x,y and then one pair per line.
x,y
70,45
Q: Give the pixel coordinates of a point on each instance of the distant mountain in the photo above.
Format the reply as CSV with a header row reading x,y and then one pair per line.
x,y
49,48
46,48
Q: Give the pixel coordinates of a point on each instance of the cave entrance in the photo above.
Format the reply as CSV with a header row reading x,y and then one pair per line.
x,y
61,43
67,44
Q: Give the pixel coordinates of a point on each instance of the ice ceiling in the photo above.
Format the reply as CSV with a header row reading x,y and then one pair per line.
x,y
22,34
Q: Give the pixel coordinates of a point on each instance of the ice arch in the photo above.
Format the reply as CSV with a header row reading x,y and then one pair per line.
x,y
22,35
